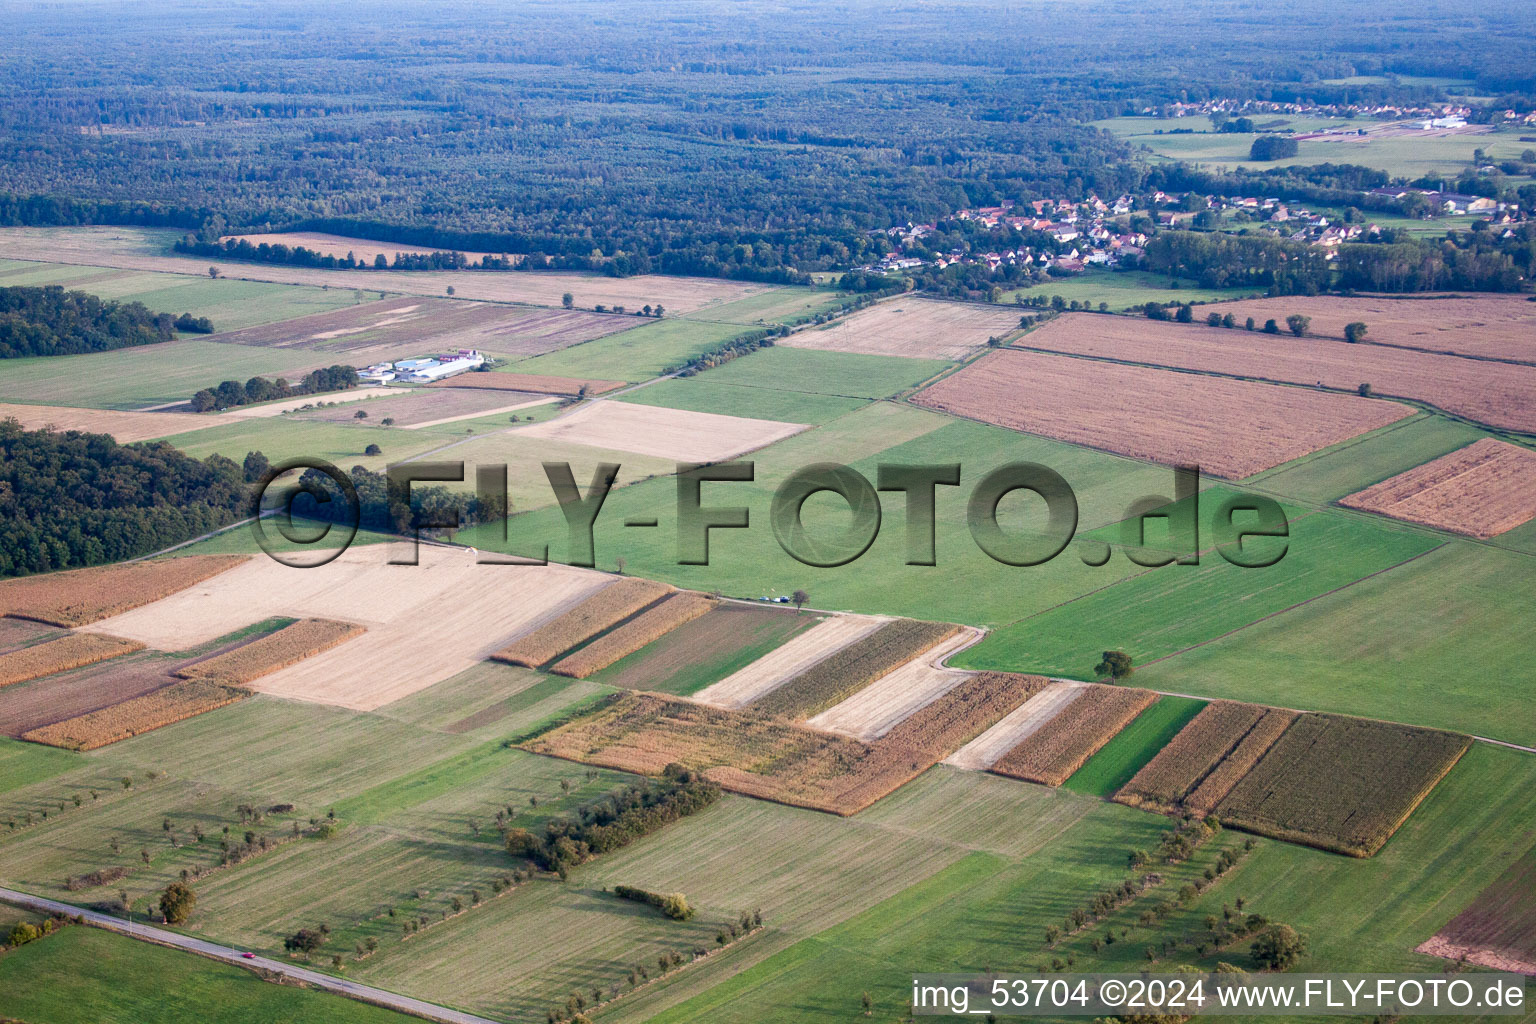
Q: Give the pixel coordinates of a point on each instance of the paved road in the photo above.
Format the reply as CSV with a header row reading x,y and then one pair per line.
x,y
341,986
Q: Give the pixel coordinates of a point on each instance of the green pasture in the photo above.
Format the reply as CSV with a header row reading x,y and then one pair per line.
x,y
1123,756
637,354
703,393
1122,289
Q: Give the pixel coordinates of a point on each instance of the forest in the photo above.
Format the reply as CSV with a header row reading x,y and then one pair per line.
x,y
76,499
719,139
50,321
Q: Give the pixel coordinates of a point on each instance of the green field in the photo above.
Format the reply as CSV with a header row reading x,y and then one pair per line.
x,y
1122,289
22,764
704,393
88,976
231,305
781,305
1132,747
132,378
991,910
814,372
1406,156
1370,458
1444,641
637,354
692,666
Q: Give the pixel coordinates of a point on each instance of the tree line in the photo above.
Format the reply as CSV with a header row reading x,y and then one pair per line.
x,y
50,321
232,393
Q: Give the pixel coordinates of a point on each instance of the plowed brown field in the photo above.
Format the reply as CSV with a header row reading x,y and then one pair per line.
x,y
1483,490
1230,428
1492,326
1499,394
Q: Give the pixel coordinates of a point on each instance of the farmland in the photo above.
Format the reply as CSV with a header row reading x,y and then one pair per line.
x,y
264,655
123,248
1498,929
638,354
1074,734
528,382
1123,289
786,662
704,394
125,427
662,433
1132,747
917,328
1249,748
727,638
650,625
1015,727
1187,758
60,655
1159,415
1489,326
877,708
1483,490
616,601
817,372
135,715
1343,784
399,328
340,245
427,407
83,596
1487,392
849,669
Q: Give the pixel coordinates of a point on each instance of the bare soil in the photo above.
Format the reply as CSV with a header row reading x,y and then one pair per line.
x,y
916,328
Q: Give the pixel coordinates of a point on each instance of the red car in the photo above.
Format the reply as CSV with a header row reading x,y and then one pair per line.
x,y
249,956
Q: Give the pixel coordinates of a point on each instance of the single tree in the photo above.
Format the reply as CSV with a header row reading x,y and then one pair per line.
x,y
1185,315
361,414
1354,332
568,300
1279,948
1364,391
450,290
1115,665
176,902
620,563
1298,324
1249,324
213,272
388,421
868,1004
1271,327
373,449
798,599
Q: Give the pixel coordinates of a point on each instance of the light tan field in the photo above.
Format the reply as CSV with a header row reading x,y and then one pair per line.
x,y
289,645
780,665
1091,719
916,328
1491,325
514,407
1229,428
1017,726
424,622
1483,490
258,412
676,434
126,427
117,247
1499,394
896,696
339,245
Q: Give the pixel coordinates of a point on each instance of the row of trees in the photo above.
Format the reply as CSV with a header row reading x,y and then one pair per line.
x,y
50,321
231,393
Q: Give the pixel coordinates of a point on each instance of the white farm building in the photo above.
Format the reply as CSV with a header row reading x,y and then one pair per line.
x,y
425,371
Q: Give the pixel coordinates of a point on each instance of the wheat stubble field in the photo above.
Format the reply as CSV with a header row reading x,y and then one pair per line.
x,y
1483,490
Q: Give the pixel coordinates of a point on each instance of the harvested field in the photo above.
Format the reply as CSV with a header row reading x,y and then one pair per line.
x,y
784,663
270,409
1483,490
601,611
1490,325
648,626
426,407
1050,755
1175,771
289,645
665,433
1017,726
340,246
875,710
1494,393
125,427
915,328
138,715
1230,428
1499,929
82,596
425,623
60,655
1239,761
731,636
758,756
846,671
402,328
18,633
540,384
1341,784
32,705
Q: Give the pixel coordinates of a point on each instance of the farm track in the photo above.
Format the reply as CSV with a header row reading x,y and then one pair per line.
x,y
230,955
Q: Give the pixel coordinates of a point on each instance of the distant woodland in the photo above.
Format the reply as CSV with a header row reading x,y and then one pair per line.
x,y
711,138
50,321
